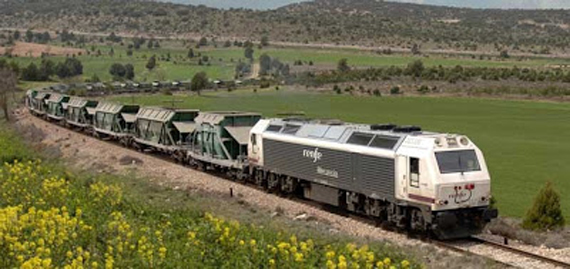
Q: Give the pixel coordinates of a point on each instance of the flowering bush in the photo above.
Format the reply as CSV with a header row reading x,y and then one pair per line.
x,y
52,221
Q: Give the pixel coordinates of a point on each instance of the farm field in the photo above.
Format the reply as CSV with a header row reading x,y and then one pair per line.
x,y
523,141
222,61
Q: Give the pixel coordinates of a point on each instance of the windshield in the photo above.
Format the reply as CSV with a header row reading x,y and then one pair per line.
x,y
457,161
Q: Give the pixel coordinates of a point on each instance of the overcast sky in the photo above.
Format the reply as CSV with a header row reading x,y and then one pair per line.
x,y
270,4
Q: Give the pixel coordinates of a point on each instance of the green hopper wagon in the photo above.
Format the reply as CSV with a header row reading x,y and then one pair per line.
x,y
165,130
39,103
80,112
114,121
56,105
221,139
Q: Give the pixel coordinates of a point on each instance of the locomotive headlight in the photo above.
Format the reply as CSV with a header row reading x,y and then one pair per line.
x,y
464,141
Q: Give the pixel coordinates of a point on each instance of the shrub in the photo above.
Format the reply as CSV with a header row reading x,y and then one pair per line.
x,y
337,89
545,213
395,90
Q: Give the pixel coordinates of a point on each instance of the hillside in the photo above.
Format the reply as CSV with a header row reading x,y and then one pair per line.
x,y
358,22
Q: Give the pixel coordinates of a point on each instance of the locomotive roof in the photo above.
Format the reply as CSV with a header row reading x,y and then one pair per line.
x,y
356,134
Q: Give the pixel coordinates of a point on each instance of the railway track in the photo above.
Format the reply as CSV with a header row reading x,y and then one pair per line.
x,y
455,246
466,246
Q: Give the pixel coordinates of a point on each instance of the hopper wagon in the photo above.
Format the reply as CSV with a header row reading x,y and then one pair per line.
x,y
114,121
220,141
80,112
39,104
56,106
165,130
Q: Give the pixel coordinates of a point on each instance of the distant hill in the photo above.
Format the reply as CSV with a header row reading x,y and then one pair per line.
x,y
358,22
251,4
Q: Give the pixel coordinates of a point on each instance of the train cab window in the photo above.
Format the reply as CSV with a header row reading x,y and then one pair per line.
x,y
415,172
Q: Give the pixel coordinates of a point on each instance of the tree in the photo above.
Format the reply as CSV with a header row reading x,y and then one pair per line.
x,y
8,82
117,70
264,64
149,44
199,82
16,35
265,41
343,65
151,64
505,54
545,213
191,54
129,52
415,49
130,71
156,45
415,68
30,73
203,42
29,36
62,70
47,69
248,53
75,66
227,44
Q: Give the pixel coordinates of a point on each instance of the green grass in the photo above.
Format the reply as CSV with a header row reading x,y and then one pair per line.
x,y
12,147
223,62
525,143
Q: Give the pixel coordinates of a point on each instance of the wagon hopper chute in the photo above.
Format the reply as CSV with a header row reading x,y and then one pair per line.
x,y
221,139
114,120
56,106
165,130
80,112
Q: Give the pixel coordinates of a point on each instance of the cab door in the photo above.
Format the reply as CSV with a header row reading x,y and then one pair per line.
x,y
401,177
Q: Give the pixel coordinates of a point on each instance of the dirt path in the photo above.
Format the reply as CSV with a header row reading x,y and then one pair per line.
x,y
255,67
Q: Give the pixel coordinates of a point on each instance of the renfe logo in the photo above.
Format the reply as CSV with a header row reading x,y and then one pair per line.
x,y
313,154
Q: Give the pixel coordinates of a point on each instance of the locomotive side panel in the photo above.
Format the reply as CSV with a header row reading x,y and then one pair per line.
x,y
376,177
324,166
369,175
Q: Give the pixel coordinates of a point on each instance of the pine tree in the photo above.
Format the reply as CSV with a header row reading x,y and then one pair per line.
x,y
545,213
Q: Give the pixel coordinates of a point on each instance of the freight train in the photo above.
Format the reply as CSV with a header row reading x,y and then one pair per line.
x,y
424,182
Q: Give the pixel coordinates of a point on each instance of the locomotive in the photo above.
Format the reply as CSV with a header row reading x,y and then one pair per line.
x,y
429,183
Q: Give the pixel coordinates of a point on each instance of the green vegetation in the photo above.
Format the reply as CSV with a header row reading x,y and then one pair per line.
x,y
522,140
545,213
12,146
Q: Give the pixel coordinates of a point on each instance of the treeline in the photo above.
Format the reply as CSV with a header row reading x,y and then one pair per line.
x,y
69,68
417,70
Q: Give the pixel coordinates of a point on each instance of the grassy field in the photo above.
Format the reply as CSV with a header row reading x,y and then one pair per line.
x,y
523,141
223,60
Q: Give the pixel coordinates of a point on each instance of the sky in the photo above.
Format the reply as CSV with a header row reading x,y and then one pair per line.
x,y
270,4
